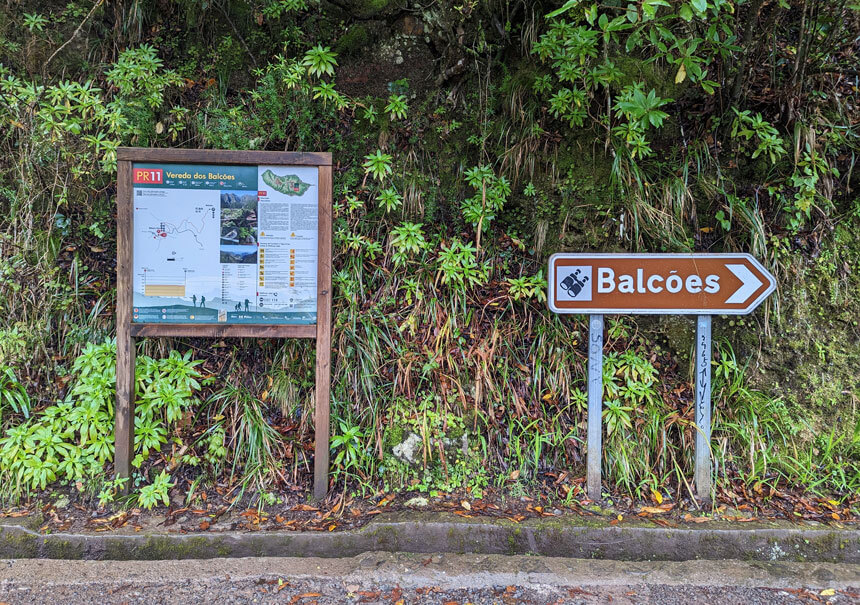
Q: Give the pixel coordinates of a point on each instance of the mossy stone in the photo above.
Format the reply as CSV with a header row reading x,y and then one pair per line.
x,y
366,9
355,40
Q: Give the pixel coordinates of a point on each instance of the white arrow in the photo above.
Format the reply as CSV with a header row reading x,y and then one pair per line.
x,y
749,284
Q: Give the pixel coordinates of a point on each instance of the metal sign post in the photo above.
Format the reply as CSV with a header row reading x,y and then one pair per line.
x,y
595,404
703,407
680,284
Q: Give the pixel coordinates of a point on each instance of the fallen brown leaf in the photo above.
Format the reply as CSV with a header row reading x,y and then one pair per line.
x,y
653,510
367,595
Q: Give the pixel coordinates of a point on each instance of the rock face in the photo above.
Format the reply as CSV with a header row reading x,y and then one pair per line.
x,y
230,200
233,200
417,502
408,451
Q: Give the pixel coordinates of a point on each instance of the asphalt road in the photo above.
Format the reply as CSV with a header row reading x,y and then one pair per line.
x,y
411,578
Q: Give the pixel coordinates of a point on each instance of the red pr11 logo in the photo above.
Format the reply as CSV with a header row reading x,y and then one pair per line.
x,y
148,176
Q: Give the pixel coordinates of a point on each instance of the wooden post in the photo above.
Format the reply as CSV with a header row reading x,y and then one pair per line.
x,y
127,331
125,387
323,336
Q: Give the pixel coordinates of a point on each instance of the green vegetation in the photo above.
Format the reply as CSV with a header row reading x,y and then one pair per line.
x,y
470,141
73,439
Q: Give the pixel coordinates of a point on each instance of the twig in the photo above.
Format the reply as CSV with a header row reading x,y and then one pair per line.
x,y
74,35
238,35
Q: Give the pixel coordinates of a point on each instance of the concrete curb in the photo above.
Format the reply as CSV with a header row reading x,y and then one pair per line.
x,y
441,533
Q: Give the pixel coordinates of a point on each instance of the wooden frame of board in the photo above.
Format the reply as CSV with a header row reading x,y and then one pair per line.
x,y
127,331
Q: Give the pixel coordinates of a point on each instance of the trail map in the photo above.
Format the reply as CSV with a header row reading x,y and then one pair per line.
x,y
225,244
165,228
288,184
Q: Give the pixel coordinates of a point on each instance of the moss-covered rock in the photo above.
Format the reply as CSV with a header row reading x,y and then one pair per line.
x,y
356,39
367,9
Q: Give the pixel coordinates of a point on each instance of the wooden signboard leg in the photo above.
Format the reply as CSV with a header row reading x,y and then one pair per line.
x,y
595,405
124,423
703,407
323,356
124,413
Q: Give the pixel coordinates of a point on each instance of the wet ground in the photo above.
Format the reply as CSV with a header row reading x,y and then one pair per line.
x,y
401,578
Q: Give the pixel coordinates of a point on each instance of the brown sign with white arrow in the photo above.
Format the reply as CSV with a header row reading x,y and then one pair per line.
x,y
701,284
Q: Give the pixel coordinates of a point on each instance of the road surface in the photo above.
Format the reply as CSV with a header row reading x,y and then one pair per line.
x,y
393,578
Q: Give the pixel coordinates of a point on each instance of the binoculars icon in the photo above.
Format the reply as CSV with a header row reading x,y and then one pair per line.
x,y
572,284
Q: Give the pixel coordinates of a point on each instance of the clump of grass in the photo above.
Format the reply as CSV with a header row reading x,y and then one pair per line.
x,y
258,449
756,437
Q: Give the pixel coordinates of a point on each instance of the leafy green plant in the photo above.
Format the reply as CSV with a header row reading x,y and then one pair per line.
x,y
753,128
407,239
805,181
459,267
490,196
110,490
35,22
326,92
353,203
13,346
216,449
642,109
320,61
348,445
412,290
141,77
155,492
378,165
276,8
13,395
616,416
371,248
528,286
396,108
74,437
389,200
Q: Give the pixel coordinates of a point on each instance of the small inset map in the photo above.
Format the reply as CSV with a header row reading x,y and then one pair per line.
x,y
288,184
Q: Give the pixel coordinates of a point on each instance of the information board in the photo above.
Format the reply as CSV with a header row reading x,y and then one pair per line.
x,y
225,243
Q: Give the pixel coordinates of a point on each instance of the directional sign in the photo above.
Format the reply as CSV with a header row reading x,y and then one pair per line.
x,y
697,284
